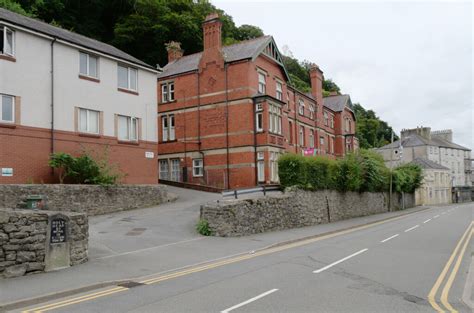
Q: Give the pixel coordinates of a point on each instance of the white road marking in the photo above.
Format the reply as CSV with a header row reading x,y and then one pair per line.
x,y
387,239
340,261
436,216
150,248
427,221
412,228
249,301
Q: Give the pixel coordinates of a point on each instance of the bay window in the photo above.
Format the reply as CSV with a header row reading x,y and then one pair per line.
x,y
275,118
279,91
259,117
261,167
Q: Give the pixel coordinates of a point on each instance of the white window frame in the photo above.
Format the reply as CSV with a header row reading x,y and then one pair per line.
x,y
198,166
6,30
1,109
129,70
279,90
168,131
162,171
274,167
175,174
326,119
88,56
274,113
301,132
130,122
88,125
301,107
311,111
262,83
261,167
168,95
311,138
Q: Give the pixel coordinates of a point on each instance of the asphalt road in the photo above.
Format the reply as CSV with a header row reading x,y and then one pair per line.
x,y
391,266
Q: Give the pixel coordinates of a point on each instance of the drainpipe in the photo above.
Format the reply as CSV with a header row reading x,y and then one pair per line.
x,y
255,139
227,123
52,99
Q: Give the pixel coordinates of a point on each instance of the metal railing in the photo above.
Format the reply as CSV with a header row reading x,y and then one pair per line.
x,y
235,193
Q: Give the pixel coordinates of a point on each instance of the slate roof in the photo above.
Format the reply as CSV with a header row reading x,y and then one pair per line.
x,y
338,103
414,140
65,35
428,164
240,51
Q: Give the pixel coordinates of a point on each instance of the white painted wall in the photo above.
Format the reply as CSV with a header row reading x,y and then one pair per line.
x,y
29,77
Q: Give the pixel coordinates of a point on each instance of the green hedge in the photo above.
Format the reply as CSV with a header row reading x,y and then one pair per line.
x,y
361,171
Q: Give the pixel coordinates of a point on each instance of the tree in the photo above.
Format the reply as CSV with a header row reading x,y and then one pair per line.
x,y
246,32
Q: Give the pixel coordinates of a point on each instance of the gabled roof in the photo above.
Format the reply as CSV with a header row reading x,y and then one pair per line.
x,y
65,35
415,140
249,49
428,164
338,103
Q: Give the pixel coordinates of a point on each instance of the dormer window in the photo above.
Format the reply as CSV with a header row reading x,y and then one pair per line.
x,y
261,83
167,92
7,41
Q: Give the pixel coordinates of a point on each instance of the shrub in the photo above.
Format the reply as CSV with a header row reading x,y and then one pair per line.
x,y
203,228
292,170
375,175
319,173
84,169
348,174
407,177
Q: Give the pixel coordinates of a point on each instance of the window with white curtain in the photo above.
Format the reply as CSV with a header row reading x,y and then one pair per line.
x,y
261,166
88,65
7,109
88,121
261,83
7,41
167,128
164,170
127,128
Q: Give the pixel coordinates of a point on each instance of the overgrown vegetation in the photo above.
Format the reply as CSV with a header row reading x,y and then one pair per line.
x,y
85,169
361,171
203,228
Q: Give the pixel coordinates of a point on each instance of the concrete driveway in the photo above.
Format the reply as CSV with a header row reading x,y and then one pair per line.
x,y
136,231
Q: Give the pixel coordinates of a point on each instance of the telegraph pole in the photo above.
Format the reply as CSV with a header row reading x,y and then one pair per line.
x,y
391,175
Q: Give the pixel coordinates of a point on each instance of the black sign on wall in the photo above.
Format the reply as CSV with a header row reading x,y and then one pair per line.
x,y
58,230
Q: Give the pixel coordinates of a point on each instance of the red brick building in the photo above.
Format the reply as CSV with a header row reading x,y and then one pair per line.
x,y
227,114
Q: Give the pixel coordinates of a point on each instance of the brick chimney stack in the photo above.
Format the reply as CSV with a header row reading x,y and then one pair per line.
x,y
212,28
174,51
316,76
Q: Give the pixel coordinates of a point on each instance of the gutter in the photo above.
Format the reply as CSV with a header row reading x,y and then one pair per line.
x,y
227,123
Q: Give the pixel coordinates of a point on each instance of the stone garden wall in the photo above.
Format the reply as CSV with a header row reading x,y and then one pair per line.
x,y
90,199
26,246
295,208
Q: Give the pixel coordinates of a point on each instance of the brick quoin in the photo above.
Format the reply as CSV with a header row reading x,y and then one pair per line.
x,y
216,96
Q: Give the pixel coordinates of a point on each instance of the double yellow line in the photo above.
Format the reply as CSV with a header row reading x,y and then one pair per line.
x,y
461,248
212,265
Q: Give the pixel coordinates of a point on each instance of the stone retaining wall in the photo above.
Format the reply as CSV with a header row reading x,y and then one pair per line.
x,y
24,240
295,208
90,199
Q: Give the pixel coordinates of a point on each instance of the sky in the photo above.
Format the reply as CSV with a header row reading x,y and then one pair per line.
x,y
410,62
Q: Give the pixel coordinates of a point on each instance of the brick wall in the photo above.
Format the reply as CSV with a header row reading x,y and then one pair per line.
x,y
27,151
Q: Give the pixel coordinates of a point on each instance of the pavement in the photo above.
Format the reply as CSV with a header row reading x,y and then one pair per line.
x,y
174,269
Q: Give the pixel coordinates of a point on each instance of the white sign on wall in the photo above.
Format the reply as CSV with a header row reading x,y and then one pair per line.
x,y
149,154
7,171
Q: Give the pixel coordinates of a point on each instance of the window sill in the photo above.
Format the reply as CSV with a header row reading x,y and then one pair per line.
x,y
89,78
168,102
7,58
132,92
89,135
168,141
125,142
7,125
